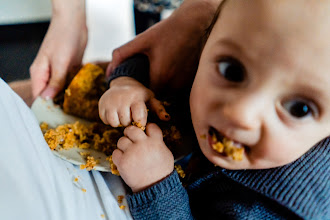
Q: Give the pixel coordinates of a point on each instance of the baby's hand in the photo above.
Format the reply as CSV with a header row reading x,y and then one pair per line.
x,y
142,159
125,102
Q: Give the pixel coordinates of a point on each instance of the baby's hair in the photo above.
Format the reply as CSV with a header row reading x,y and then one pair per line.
x,y
215,18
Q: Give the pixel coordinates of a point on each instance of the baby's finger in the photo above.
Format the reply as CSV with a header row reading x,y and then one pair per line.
x,y
111,118
124,115
116,156
134,133
152,130
139,113
157,107
124,143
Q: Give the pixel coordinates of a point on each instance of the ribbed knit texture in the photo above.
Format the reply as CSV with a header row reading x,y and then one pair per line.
x,y
302,186
167,198
136,67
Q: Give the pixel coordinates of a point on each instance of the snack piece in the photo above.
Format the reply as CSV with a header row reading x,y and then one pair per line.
x,y
90,164
227,148
82,95
113,167
138,124
180,171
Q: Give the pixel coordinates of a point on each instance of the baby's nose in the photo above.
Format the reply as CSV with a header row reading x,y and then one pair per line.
x,y
246,112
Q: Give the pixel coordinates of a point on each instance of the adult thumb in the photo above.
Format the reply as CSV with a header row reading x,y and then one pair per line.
x,y
138,45
55,85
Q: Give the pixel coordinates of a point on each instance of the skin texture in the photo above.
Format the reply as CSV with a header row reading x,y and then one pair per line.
x,y
121,106
278,52
284,53
173,45
62,48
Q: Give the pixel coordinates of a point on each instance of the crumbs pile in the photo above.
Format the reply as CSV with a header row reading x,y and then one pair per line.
x,y
95,136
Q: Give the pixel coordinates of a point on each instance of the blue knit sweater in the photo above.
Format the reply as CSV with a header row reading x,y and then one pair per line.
x,y
298,190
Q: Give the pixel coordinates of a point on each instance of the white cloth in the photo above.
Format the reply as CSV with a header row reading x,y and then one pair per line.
x,y
35,184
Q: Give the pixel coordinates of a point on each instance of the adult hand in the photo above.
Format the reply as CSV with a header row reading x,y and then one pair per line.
x,y
173,45
62,48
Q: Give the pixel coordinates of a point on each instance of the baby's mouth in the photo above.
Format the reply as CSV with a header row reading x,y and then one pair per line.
x,y
225,146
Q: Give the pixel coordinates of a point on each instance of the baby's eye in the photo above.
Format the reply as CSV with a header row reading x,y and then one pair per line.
x,y
231,69
300,108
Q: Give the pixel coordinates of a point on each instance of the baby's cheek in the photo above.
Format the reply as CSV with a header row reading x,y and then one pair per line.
x,y
279,152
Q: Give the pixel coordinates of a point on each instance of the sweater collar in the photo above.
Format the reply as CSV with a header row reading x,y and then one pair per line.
x,y
302,186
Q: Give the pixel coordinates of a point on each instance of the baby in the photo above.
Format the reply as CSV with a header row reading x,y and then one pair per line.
x,y
263,84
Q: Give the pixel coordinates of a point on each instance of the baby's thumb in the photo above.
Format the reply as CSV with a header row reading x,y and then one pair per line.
x,y
158,107
55,85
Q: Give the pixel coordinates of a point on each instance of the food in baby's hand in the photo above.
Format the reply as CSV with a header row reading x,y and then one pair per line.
x,y
139,125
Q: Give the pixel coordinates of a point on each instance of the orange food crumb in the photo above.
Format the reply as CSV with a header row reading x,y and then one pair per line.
x,y
76,179
102,216
138,124
90,163
113,167
120,199
122,207
84,190
180,171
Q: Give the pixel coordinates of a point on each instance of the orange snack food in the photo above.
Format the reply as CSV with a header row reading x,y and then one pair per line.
x,y
82,95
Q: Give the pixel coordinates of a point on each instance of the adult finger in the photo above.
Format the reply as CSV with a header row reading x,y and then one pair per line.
x,y
139,113
39,72
139,44
157,107
56,82
152,130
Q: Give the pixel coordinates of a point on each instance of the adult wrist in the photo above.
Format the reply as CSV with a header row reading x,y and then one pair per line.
x,y
73,9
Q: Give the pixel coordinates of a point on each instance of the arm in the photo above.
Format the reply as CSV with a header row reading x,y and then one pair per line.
x,y
62,48
173,45
126,99
146,165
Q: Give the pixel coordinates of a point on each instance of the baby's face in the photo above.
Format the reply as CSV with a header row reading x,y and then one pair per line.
x,y
264,82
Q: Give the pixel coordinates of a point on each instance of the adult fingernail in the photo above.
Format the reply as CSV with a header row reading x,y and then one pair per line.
x,y
48,93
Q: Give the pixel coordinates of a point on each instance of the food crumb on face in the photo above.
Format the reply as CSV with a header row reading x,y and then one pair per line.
x,y
228,148
203,136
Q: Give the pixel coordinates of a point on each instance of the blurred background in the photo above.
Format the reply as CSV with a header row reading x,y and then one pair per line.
x,y
111,23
